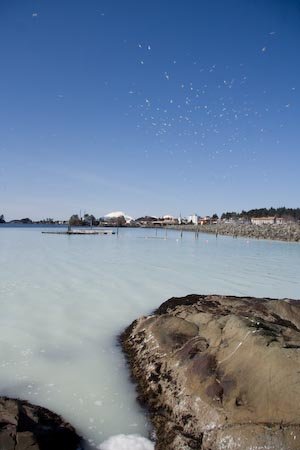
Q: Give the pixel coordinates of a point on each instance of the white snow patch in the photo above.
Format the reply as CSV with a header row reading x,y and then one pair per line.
x,y
127,442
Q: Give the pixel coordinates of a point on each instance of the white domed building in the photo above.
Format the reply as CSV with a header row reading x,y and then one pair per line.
x,y
168,217
115,215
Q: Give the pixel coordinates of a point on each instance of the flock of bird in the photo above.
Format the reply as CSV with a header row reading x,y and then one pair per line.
x,y
211,110
214,110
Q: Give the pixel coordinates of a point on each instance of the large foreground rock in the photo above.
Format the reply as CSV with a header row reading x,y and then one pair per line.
x,y
219,373
27,427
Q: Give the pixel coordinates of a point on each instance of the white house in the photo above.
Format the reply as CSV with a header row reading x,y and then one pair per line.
x,y
263,220
168,217
193,218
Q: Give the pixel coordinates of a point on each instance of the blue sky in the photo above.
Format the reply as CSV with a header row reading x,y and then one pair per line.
x,y
151,107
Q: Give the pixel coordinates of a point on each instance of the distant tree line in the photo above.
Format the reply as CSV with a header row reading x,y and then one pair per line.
x,y
87,219
288,213
75,220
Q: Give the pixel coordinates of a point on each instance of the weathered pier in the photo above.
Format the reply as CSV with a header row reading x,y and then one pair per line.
x,y
289,232
80,232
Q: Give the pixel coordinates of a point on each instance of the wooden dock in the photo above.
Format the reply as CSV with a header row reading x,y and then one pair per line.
x,y
81,232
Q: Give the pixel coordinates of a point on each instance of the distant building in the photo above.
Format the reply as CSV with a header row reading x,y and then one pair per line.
x,y
205,220
146,220
165,220
280,220
168,217
193,218
267,220
169,220
116,216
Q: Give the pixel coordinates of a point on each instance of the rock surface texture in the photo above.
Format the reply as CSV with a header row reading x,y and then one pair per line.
x,y
219,373
27,427
284,232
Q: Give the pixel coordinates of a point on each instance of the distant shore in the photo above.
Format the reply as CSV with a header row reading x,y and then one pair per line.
x,y
289,232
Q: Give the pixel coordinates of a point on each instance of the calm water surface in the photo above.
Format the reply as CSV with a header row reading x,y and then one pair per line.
x,y
64,299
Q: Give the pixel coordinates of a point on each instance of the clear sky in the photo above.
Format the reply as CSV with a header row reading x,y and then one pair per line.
x,y
150,107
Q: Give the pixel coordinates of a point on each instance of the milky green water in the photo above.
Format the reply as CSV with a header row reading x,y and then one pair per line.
x,y
65,299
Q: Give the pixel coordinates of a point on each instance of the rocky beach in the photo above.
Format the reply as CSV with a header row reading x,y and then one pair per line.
x,y
289,232
219,373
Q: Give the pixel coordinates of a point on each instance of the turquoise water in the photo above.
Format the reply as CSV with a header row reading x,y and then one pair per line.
x,y
65,299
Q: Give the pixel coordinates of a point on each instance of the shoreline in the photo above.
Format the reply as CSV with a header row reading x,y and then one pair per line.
x,y
283,233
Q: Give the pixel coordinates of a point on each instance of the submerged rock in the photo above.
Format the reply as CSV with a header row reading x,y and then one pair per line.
x,y
24,426
219,373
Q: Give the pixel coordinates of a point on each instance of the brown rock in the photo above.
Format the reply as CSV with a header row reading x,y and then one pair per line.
x,y
219,373
24,426
7,437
